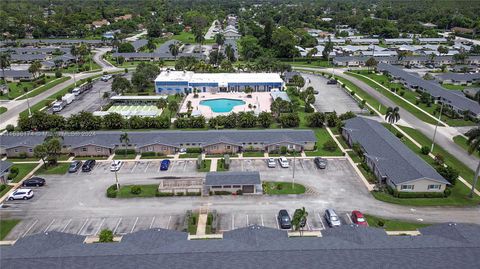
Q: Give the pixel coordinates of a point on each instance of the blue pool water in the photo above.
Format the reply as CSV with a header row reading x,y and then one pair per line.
x,y
222,105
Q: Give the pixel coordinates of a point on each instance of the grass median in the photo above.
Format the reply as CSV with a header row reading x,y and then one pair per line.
x,y
462,142
44,88
393,225
282,188
323,136
6,226
59,169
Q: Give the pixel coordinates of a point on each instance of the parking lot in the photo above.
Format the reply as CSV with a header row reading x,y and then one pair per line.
x,y
330,97
91,100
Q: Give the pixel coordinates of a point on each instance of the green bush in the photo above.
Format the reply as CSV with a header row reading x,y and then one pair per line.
x,y
194,150
447,192
330,145
193,193
163,194
403,194
148,153
179,194
122,151
399,135
283,150
112,191
58,74
425,150
2,187
222,193
135,190
106,236
381,223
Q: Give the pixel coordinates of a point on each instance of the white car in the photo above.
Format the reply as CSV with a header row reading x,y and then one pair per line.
x,y
21,194
283,162
271,163
106,77
115,166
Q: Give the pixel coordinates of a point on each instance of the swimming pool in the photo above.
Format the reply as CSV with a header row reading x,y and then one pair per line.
x,y
222,105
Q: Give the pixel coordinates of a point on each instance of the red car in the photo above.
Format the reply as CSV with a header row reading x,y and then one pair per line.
x,y
358,218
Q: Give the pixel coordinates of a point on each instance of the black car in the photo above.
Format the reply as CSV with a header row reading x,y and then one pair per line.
x,y
332,82
34,181
88,165
74,166
321,163
284,219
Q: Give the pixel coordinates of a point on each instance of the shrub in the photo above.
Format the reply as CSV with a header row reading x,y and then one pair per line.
x,y
193,194
163,194
399,135
330,145
447,192
449,173
194,150
283,150
135,190
10,128
403,194
401,93
148,153
22,155
222,193
425,150
309,109
439,159
2,187
112,191
179,194
381,223
106,236
58,74
122,151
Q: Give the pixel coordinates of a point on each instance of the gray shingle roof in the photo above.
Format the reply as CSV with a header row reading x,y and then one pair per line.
x,y
16,74
439,246
392,158
137,44
4,165
457,77
60,41
232,178
176,138
433,88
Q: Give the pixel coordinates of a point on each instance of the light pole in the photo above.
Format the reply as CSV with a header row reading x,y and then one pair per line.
x,y
28,104
116,181
436,126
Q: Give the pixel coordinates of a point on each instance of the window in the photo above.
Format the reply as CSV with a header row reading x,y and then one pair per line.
x,y
150,148
237,186
216,187
16,150
434,187
227,186
164,148
30,150
84,149
407,187
99,149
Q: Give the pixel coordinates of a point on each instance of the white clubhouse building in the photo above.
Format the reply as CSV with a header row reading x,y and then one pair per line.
x,y
171,82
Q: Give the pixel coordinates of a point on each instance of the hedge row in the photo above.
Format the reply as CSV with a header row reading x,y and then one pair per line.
x,y
122,151
403,194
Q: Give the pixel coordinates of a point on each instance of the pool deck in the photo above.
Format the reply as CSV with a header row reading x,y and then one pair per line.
x,y
261,100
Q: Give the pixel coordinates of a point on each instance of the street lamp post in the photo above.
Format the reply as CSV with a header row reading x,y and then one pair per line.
x,y
436,126
293,173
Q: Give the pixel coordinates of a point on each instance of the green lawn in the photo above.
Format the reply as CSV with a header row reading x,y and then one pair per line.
x,y
81,158
397,100
23,170
221,165
460,87
45,87
192,223
189,38
6,226
354,156
462,142
166,111
23,159
282,188
75,68
125,157
206,166
369,176
147,191
59,169
253,154
322,137
188,155
393,225
3,109
7,188
17,88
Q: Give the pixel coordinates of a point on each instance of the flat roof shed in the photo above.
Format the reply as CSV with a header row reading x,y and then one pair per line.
x,y
247,182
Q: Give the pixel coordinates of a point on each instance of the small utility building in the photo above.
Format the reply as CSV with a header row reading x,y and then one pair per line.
x,y
246,182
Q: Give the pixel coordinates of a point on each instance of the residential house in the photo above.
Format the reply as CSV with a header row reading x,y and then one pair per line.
x,y
393,163
100,23
16,75
458,78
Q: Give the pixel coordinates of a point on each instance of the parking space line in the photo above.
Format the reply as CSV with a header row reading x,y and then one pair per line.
x,y
168,224
28,230
116,226
349,218
68,223
151,223
247,220
308,226
233,222
133,168
148,164
276,221
99,227
184,166
134,224
321,221
49,225
261,218
81,228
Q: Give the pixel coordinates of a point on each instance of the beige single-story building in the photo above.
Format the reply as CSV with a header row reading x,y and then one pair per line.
x,y
233,182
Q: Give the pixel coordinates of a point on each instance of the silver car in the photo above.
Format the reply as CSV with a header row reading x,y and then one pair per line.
x,y
271,163
332,218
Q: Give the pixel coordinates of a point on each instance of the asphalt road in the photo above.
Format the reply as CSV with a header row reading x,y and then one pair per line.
x,y
444,136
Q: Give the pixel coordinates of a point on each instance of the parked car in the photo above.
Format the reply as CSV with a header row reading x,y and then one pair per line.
x,y
34,181
271,163
21,194
115,166
321,163
74,166
303,221
106,77
358,218
283,162
88,165
332,218
164,165
332,81
284,219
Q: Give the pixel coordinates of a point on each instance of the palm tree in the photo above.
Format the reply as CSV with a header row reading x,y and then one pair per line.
x,y
4,63
173,107
299,216
220,39
199,38
174,49
125,140
162,103
74,51
34,68
392,115
473,143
